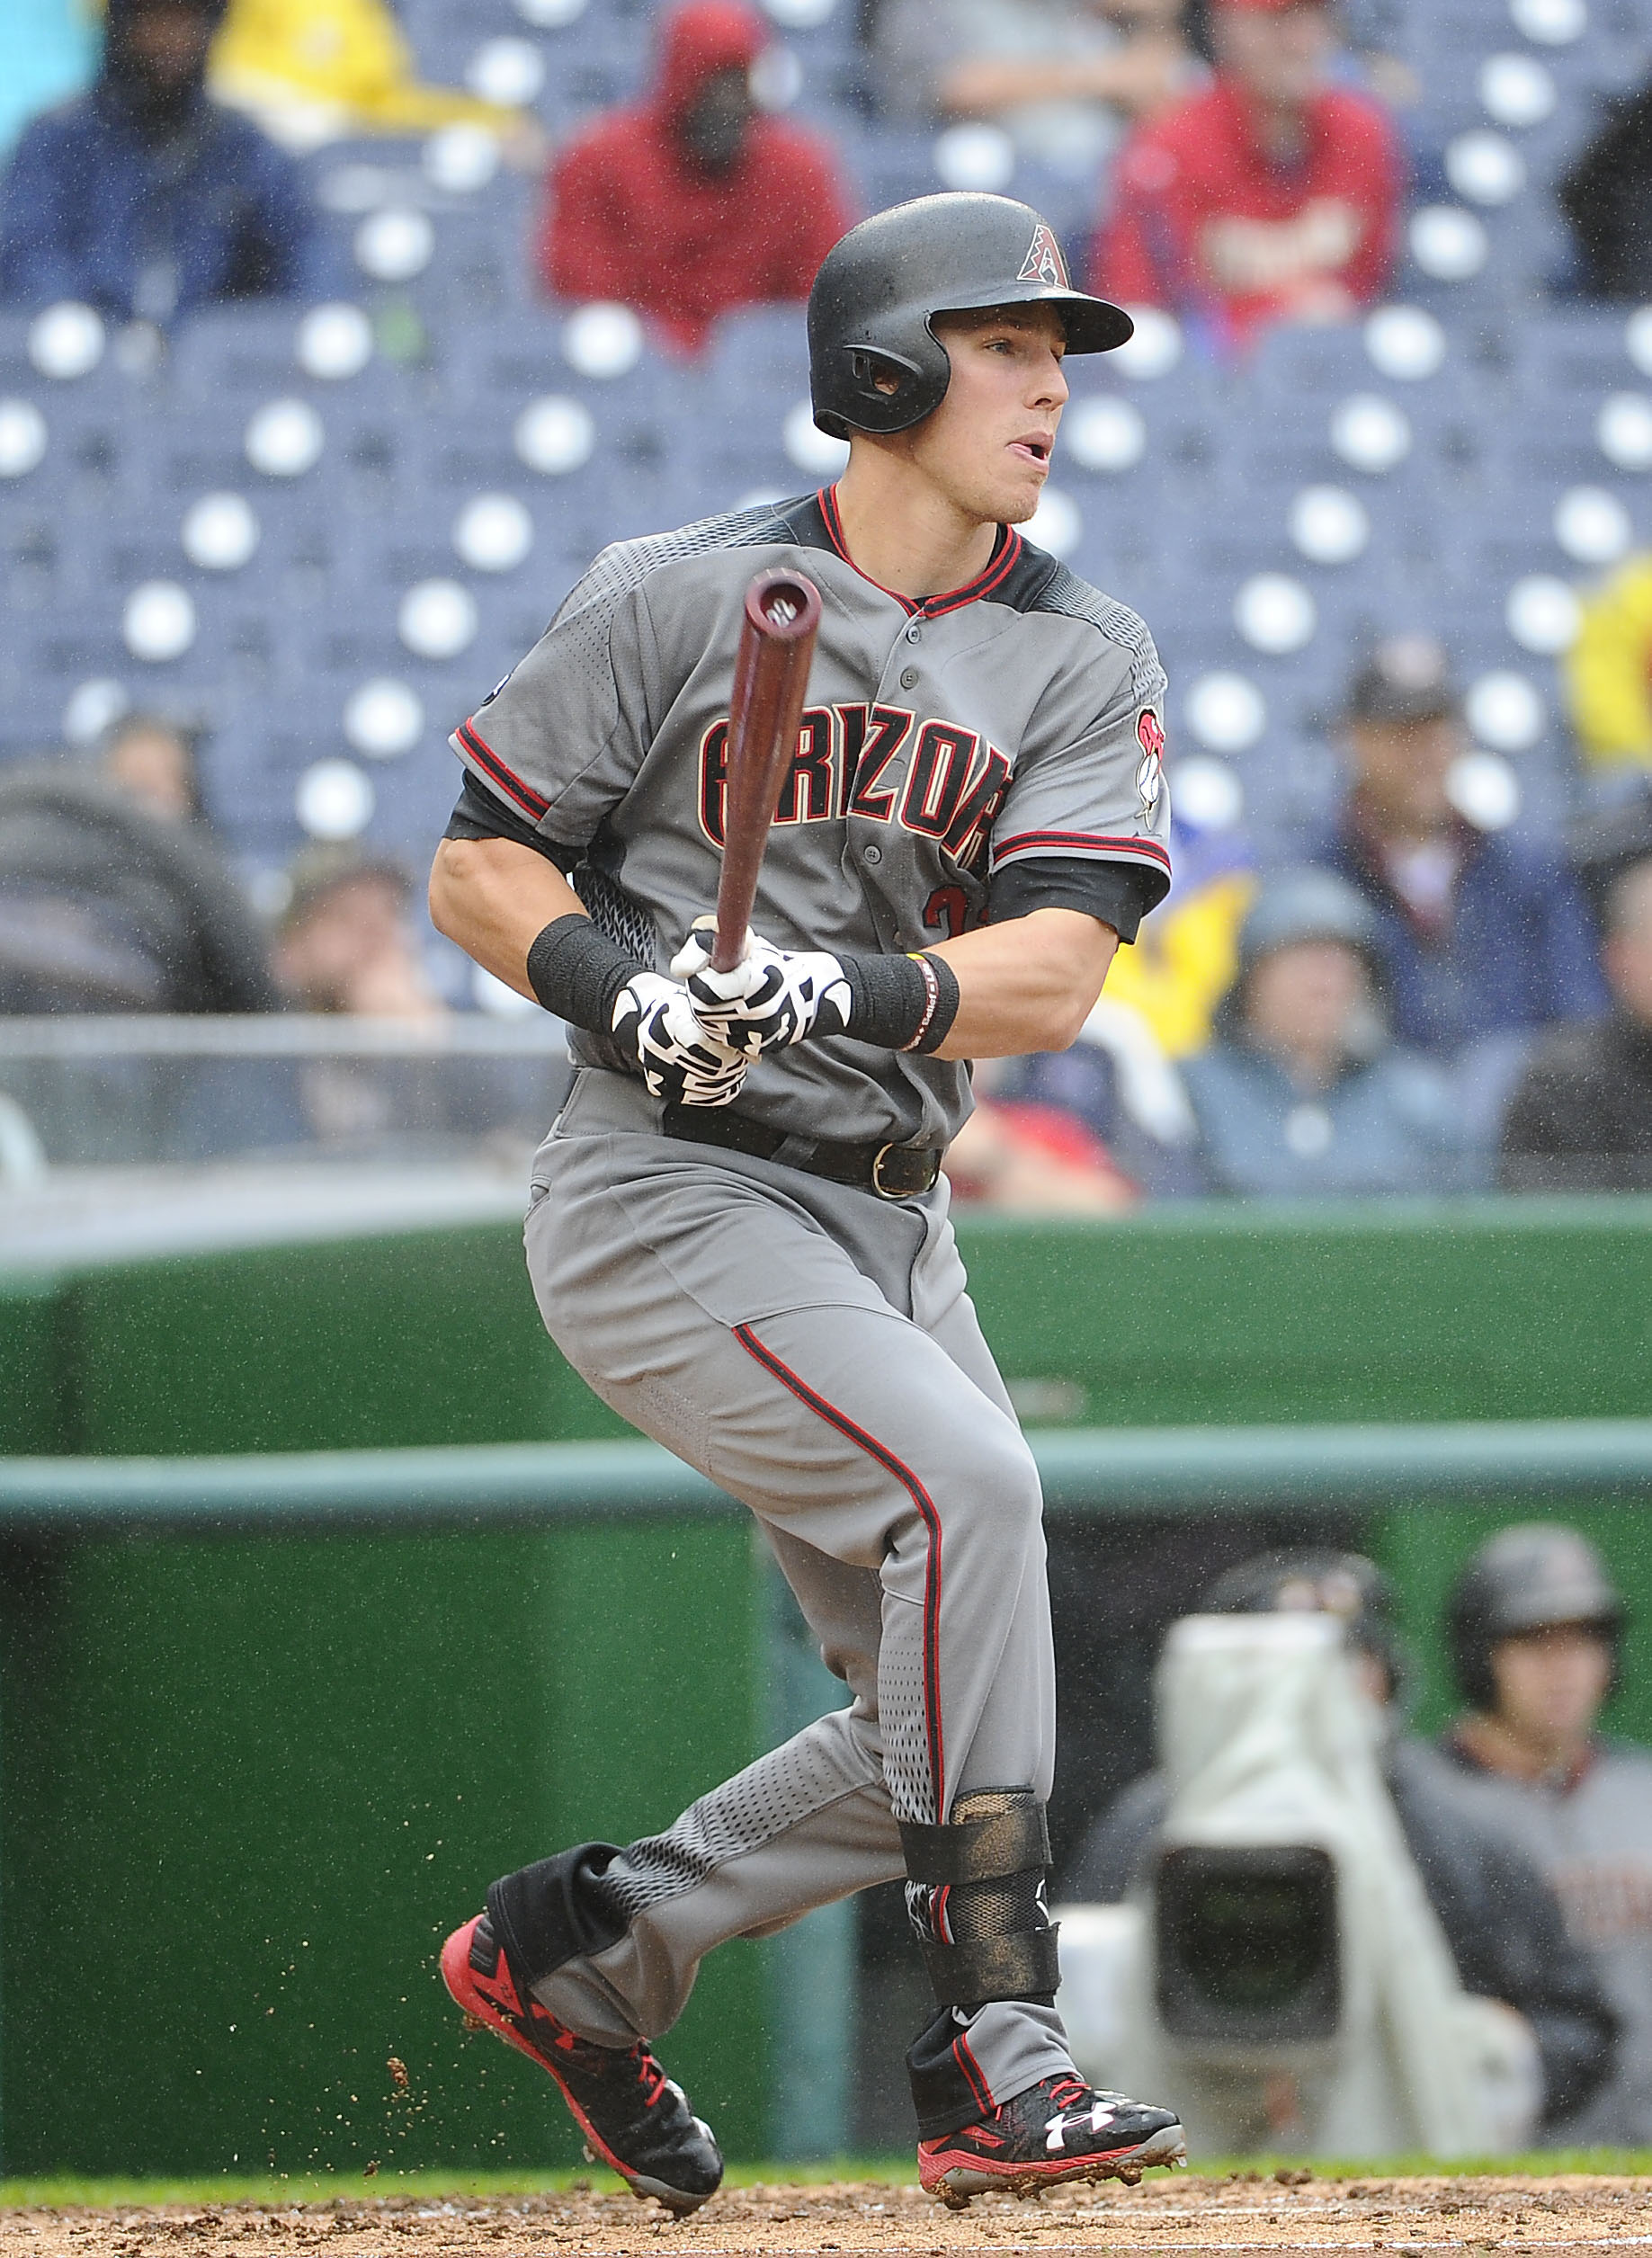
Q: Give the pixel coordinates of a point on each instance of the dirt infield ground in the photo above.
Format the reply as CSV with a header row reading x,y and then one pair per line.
x,y
1167,2213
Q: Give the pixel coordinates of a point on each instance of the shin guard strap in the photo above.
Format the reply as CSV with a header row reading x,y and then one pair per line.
x,y
1009,1842
1024,1965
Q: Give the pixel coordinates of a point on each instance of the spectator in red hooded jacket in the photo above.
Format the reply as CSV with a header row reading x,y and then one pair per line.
x,y
1272,196
693,203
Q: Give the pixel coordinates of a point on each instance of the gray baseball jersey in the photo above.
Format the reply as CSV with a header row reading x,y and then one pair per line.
x,y
994,749
1592,1835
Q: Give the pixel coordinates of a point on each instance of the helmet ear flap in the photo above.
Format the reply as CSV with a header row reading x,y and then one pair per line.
x,y
891,408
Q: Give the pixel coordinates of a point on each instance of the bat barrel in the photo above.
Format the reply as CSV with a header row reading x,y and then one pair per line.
x,y
765,713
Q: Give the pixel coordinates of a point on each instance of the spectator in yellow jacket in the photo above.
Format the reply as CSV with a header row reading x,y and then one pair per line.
x,y
1608,684
311,70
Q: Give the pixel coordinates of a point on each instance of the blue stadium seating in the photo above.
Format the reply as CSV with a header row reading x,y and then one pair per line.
x,y
1503,428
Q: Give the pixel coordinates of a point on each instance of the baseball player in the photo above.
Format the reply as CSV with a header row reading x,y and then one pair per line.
x,y
1535,1628
739,1227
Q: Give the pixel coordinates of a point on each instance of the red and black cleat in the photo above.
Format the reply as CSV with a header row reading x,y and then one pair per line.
x,y
634,2118
1059,2129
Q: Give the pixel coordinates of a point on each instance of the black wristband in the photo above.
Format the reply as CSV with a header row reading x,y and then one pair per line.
x,y
576,971
900,1002
943,1003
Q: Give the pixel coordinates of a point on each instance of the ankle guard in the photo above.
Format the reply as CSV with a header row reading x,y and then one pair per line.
x,y
976,1899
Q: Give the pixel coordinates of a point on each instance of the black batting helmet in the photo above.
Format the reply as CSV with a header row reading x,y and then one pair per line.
x,y
881,285
1526,1579
1316,1580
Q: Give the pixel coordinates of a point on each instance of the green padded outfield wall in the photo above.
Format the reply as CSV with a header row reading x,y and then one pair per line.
x,y
248,1783
1480,1309
35,1365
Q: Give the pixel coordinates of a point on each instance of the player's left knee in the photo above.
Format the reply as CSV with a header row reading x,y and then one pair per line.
x,y
999,1493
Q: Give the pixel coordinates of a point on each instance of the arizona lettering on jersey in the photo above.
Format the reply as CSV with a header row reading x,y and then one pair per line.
x,y
974,755
954,787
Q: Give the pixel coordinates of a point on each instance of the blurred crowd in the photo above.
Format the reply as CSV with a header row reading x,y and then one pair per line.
x,y
1425,1006
1421,1002
115,896
1243,164
1247,162
1528,1827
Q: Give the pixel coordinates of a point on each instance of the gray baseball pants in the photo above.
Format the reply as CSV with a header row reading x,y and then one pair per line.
x,y
812,1350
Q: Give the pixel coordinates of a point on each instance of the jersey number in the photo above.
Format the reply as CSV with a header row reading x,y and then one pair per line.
x,y
946,912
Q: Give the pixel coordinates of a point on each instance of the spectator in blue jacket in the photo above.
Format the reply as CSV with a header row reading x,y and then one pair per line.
x,y
1302,1091
144,197
1483,939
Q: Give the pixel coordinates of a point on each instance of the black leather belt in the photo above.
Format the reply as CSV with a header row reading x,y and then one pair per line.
x,y
894,1172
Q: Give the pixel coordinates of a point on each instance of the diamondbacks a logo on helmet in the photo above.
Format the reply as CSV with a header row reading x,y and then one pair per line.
x,y
1043,262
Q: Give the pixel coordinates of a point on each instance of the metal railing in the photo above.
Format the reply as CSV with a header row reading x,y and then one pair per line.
x,y
145,1090
277,1035
1136,1470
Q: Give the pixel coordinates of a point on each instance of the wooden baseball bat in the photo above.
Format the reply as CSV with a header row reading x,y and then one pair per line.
x,y
766,712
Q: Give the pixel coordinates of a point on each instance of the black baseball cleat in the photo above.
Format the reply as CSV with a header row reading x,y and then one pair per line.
x,y
1059,2129
634,2118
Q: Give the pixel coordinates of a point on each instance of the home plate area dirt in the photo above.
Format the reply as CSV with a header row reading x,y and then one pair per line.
x,y
1245,2212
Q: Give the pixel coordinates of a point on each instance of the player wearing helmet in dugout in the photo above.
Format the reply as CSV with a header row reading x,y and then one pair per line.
x,y
738,1233
1535,1627
1498,1914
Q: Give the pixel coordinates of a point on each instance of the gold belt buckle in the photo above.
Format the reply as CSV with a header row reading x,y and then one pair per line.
x,y
896,1191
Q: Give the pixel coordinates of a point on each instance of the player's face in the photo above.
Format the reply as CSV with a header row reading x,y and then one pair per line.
x,y
988,446
1550,1683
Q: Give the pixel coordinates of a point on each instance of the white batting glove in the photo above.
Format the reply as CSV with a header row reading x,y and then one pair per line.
x,y
682,1061
773,998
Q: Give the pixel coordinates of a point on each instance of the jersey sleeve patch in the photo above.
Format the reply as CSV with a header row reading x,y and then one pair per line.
x,y
1150,772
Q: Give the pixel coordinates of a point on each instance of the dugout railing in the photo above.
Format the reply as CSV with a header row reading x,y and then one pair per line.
x,y
1116,1470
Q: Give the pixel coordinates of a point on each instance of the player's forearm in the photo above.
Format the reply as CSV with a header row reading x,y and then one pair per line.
x,y
494,897
1027,984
